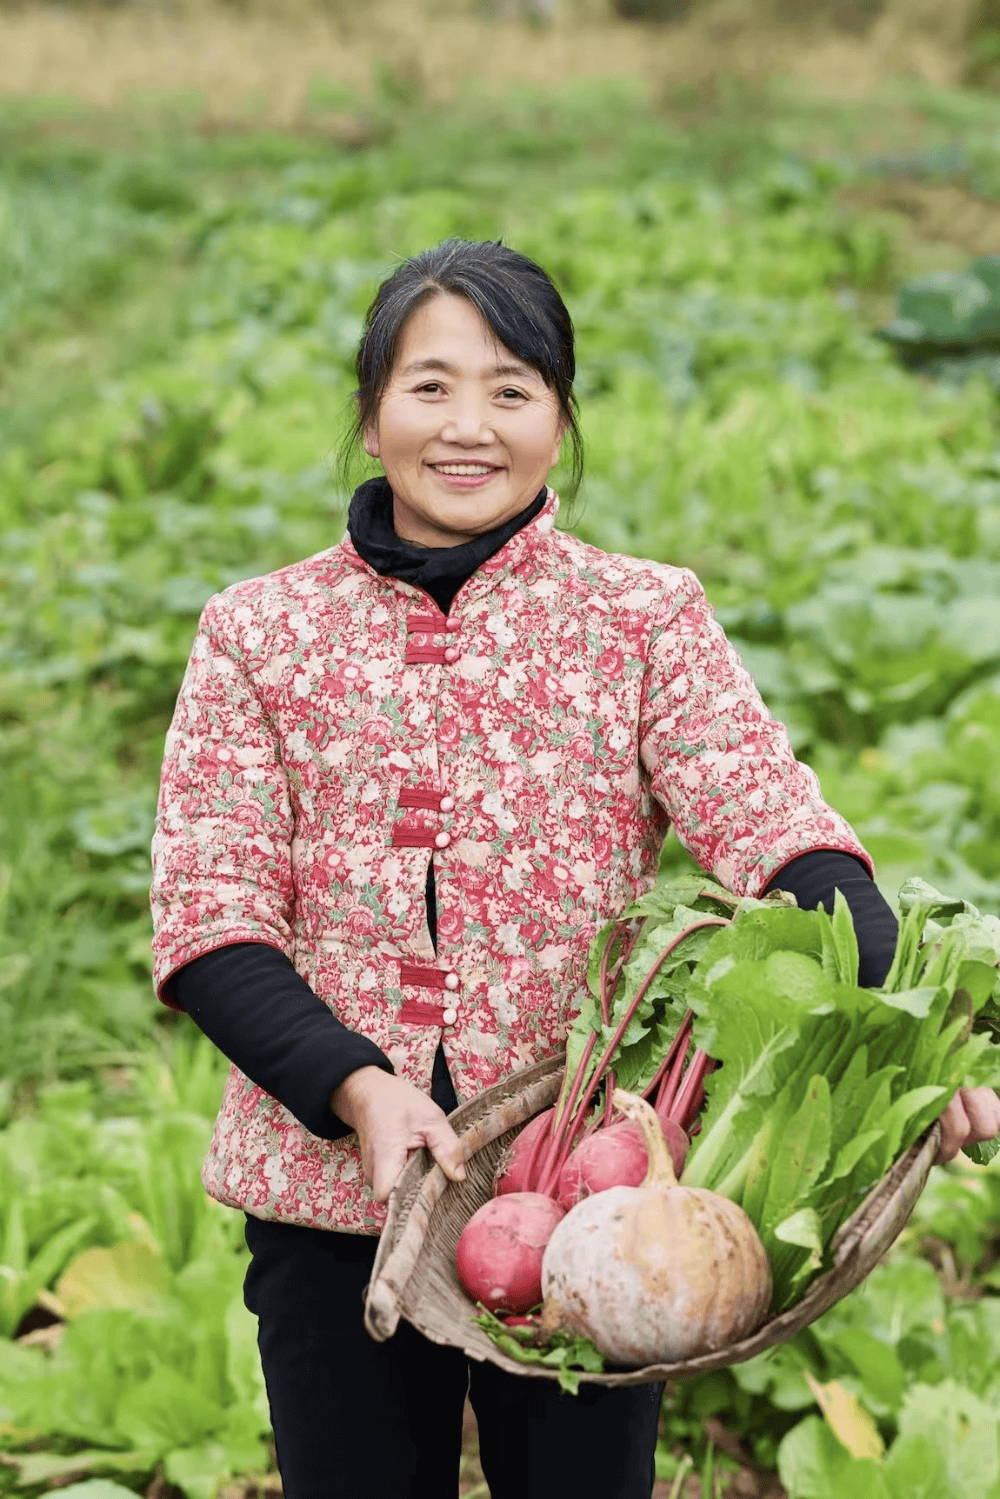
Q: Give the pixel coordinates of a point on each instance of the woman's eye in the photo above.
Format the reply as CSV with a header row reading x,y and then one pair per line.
x,y
431,388
510,394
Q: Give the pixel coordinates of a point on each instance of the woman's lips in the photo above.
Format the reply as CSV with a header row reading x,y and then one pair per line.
x,y
465,475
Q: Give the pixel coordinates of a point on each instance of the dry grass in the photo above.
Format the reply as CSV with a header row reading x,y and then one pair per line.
x,y
237,65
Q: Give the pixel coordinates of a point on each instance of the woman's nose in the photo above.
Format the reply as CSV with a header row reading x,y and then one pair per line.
x,y
467,423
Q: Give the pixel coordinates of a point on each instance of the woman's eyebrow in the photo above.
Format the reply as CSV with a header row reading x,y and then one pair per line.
x,y
420,366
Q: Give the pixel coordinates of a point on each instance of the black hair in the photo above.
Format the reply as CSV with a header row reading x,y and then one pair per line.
x,y
515,299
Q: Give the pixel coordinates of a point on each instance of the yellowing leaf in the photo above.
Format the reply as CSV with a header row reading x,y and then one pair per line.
x,y
129,1276
851,1424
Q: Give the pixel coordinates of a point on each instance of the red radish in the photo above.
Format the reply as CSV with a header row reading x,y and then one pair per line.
x,y
499,1255
518,1169
615,1156
658,1273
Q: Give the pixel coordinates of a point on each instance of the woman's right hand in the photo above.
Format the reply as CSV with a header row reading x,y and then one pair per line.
x,y
392,1119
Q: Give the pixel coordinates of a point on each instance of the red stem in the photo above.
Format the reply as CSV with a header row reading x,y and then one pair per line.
x,y
609,1094
563,1144
692,1091
536,1151
667,1068
664,1106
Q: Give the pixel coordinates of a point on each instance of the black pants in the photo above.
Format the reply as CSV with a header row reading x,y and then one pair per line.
x,y
355,1419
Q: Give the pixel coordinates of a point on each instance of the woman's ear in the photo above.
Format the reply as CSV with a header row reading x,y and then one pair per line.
x,y
370,440
557,445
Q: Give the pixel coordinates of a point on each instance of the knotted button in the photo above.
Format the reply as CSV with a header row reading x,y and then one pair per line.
x,y
447,804
453,622
449,1017
452,653
451,980
442,840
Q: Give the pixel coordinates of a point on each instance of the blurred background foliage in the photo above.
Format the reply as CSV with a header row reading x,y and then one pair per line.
x,y
734,201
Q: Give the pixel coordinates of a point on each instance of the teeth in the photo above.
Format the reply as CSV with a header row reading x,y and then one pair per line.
x,y
464,470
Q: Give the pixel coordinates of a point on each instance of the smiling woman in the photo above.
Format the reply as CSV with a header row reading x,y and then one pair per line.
x,y
406,782
465,432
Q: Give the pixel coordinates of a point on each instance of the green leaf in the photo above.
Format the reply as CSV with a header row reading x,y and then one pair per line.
x,y
850,1154
917,894
97,1488
166,1410
916,1002
801,1153
42,1467
963,1427
876,1364
804,1229
983,1152
569,1353
915,1469
128,1275
810,1459
840,944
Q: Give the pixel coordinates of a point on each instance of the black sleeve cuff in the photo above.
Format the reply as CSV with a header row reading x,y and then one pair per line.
x,y
259,1011
815,877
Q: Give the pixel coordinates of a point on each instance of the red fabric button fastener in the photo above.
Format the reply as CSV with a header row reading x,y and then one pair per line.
x,y
447,804
412,837
449,1017
451,981
452,653
418,1012
427,798
425,624
453,622
441,840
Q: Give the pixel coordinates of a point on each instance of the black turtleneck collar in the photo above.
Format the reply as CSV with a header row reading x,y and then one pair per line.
x,y
439,571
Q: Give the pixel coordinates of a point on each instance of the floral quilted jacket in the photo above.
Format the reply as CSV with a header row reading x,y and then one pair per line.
x,y
335,731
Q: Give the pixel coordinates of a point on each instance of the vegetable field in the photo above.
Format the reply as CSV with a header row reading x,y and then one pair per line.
x,y
178,313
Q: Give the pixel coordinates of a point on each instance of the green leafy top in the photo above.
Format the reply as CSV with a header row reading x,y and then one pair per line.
x,y
822,1083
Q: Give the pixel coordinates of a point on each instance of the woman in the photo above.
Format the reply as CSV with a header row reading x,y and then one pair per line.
x,y
407,780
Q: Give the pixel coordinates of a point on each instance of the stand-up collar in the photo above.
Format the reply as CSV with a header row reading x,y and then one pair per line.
x,y
439,571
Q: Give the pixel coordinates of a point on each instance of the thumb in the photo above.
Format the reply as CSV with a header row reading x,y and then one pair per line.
x,y
446,1148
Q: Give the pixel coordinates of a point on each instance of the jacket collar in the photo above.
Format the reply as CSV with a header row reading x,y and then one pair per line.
x,y
501,564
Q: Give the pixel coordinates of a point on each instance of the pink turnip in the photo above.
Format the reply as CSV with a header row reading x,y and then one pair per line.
x,y
615,1157
656,1273
499,1254
520,1163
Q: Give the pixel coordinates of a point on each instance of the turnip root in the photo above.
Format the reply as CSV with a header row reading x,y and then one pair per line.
x,y
615,1157
499,1254
657,1273
519,1165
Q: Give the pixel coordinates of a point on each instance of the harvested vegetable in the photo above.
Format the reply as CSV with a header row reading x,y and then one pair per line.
x,y
824,1084
518,1169
499,1253
615,1157
656,1273
532,1340
632,1032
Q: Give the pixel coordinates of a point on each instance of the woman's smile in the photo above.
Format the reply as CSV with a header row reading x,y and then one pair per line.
x,y
459,475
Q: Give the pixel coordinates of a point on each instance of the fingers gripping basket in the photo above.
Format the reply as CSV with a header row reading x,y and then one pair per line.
x,y
414,1272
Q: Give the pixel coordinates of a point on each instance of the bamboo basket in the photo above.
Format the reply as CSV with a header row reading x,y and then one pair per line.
x,y
414,1271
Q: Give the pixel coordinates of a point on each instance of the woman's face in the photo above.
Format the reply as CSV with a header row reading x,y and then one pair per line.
x,y
466,432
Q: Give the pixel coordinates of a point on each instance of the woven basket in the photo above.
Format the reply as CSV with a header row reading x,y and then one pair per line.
x,y
414,1272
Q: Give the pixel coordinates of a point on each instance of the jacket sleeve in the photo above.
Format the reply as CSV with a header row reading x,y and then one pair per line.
x,y
719,764
222,847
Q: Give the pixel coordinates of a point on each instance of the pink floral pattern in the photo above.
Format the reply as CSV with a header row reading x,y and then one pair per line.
x,y
571,708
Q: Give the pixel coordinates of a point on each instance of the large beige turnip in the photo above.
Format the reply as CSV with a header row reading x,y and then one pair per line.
x,y
657,1273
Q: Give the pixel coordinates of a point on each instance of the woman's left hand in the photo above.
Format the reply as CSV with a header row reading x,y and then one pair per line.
x,y
972,1117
